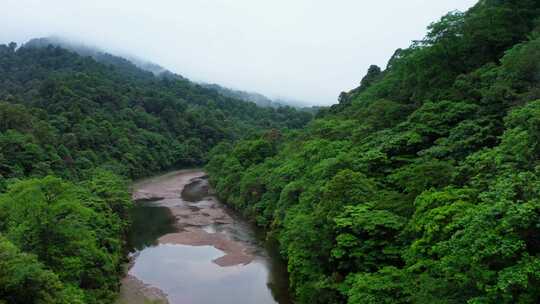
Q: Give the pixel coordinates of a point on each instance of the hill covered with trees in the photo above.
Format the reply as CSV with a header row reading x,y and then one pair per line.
x,y
257,98
423,184
73,131
77,113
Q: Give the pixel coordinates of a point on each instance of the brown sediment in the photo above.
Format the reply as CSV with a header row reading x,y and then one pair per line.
x,y
193,217
165,186
236,253
194,214
201,214
134,291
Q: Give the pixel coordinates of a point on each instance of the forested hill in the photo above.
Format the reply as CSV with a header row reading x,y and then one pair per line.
x,y
423,184
72,130
61,112
121,63
257,98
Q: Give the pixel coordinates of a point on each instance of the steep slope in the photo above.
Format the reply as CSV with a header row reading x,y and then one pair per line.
x,y
423,184
72,130
63,112
121,63
133,64
260,99
257,98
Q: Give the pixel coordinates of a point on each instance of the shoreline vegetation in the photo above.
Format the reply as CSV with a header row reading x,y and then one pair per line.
x,y
422,185
198,222
190,220
73,131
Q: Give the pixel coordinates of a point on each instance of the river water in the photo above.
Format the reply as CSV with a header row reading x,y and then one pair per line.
x,y
188,248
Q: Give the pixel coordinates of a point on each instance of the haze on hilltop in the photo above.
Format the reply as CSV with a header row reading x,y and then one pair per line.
x,y
306,50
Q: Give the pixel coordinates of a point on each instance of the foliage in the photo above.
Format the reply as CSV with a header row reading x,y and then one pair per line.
x,y
73,130
71,230
63,113
422,184
23,279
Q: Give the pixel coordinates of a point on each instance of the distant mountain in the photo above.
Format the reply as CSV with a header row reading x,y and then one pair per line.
x,y
257,98
313,109
260,99
127,62
291,102
70,126
134,65
423,184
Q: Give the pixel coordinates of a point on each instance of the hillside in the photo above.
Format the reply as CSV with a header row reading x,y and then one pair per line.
x,y
126,63
133,63
93,114
260,99
257,98
423,184
73,131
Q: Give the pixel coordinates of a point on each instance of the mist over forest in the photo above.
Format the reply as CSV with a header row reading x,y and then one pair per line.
x,y
123,180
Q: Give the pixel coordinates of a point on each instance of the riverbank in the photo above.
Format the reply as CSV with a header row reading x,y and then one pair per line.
x,y
190,239
193,215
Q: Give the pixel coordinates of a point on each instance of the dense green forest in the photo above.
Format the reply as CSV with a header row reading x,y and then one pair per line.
x,y
73,131
61,112
423,184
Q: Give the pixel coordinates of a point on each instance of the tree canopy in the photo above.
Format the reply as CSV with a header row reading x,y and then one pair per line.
x,y
422,184
73,130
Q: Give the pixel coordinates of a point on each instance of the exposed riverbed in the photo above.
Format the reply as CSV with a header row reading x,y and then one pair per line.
x,y
188,248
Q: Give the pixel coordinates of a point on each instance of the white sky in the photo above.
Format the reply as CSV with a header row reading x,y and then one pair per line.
x,y
308,50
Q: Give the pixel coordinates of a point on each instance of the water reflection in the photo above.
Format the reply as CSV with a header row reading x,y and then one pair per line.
x,y
186,273
149,223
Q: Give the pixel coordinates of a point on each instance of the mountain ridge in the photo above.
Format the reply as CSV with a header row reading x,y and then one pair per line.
x,y
422,185
159,71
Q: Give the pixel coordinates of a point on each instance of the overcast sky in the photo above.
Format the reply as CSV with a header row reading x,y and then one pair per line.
x,y
309,50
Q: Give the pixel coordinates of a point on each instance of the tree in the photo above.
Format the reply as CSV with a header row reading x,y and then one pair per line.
x,y
23,279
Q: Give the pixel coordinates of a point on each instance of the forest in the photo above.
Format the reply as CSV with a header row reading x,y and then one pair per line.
x,y
74,131
423,184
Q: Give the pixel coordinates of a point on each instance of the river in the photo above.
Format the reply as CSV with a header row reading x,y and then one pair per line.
x,y
188,248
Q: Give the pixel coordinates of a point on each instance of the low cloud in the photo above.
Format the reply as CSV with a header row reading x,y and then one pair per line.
x,y
308,50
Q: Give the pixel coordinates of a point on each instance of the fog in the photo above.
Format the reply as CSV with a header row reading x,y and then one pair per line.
x,y
307,50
